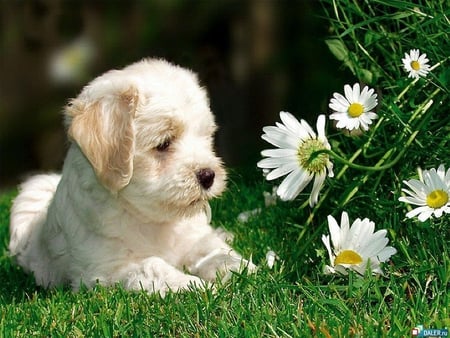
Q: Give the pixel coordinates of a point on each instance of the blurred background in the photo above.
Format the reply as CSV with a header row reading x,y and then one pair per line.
x,y
255,57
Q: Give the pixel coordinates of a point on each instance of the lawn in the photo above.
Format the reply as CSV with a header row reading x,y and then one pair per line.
x,y
373,167
294,298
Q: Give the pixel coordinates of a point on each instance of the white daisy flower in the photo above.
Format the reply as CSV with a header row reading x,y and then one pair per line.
x,y
416,64
356,247
354,111
296,142
71,63
431,193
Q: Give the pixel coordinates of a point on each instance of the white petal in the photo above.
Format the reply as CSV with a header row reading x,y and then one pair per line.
x,y
338,116
422,213
367,235
375,265
308,129
293,125
328,270
386,253
341,269
326,241
371,115
441,172
412,200
446,178
356,92
339,103
365,94
280,152
350,93
419,188
425,209
318,182
345,227
360,268
363,125
279,138
281,171
335,232
368,117
273,162
438,212
293,184
350,242
330,169
374,246
353,123
320,125
370,103
436,182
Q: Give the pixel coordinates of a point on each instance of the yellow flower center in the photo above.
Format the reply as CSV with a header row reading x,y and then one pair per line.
x,y
437,199
355,109
348,257
415,65
314,163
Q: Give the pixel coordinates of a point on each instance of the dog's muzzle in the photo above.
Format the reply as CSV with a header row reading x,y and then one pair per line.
x,y
206,177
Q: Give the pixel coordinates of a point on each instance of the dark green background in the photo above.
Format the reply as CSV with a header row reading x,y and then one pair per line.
x,y
279,45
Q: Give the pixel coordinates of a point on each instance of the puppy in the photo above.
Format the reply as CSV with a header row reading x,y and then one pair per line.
x,y
131,204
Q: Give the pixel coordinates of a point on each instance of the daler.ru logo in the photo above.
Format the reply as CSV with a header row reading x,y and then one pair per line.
x,y
420,331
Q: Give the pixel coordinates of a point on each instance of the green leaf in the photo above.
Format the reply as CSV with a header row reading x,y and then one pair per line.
x,y
444,77
338,49
365,76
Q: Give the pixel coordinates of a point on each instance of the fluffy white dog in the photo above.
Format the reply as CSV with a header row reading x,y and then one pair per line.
x,y
131,205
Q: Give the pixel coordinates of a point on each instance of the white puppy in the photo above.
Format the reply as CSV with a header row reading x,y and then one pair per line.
x,y
131,205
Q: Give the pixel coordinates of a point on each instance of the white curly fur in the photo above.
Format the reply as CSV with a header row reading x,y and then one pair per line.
x,y
130,204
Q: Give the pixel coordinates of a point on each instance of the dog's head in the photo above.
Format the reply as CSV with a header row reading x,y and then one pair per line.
x,y
147,131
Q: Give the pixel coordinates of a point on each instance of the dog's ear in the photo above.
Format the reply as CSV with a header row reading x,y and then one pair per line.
x,y
103,129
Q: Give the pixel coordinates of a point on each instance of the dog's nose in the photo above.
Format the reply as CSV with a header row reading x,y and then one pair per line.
x,y
206,177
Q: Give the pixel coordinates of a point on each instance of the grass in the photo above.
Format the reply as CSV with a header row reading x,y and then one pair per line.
x,y
273,302
295,298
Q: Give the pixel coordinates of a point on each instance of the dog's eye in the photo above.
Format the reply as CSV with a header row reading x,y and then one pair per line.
x,y
163,146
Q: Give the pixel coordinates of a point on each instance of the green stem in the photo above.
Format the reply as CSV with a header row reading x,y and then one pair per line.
x,y
345,167
377,168
354,165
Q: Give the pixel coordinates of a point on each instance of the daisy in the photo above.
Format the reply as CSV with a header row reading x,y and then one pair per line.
x,y
416,64
353,111
431,193
296,142
71,63
356,247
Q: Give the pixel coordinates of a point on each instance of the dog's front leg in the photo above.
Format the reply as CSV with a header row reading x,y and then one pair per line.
x,y
156,275
219,261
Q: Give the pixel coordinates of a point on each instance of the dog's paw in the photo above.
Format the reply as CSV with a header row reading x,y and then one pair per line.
x,y
156,275
243,266
186,283
220,263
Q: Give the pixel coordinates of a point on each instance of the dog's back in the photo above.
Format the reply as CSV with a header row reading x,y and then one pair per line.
x,y
28,214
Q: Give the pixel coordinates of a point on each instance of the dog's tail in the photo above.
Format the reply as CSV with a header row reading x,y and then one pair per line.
x,y
29,210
